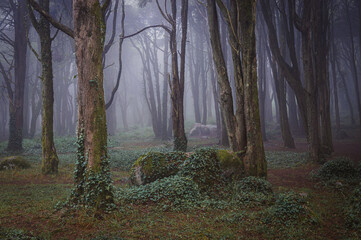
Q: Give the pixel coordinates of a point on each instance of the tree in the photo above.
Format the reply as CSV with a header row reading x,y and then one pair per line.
x,y
92,179
240,19
312,95
177,83
50,159
17,14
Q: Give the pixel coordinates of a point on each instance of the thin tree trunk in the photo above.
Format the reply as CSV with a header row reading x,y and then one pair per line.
x,y
177,88
165,90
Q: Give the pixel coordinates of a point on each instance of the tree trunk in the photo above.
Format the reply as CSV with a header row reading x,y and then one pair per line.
x,y
334,80
50,159
255,162
177,88
245,82
165,90
89,33
20,45
321,39
353,65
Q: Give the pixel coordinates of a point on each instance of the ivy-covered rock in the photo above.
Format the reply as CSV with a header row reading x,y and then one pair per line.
x,y
175,191
155,165
341,168
203,168
13,162
231,164
253,191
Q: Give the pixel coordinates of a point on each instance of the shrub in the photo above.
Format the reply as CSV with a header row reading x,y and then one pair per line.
x,y
353,209
358,170
204,169
289,209
14,162
155,165
341,168
254,184
175,191
16,234
252,191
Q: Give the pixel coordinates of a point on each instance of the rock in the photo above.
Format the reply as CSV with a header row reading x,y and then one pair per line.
x,y
13,162
155,165
204,169
200,130
231,164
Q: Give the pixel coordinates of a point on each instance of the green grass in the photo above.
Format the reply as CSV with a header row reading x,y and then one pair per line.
x,y
27,201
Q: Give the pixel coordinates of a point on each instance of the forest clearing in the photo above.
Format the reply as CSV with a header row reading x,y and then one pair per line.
x,y
28,203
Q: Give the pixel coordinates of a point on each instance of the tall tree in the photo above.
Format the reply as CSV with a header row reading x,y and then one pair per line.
x,y
178,72
50,159
241,19
92,179
16,93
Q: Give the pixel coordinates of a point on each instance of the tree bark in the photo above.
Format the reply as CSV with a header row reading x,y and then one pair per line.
x,y
177,86
255,162
247,118
89,35
15,142
165,90
50,159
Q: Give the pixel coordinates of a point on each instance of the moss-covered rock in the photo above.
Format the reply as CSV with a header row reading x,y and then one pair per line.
x,y
155,165
203,168
14,162
231,164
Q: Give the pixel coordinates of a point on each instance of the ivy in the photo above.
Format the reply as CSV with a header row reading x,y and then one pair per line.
x,y
92,190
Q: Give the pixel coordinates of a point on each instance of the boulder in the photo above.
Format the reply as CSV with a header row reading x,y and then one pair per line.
x,y
200,130
155,165
13,162
231,164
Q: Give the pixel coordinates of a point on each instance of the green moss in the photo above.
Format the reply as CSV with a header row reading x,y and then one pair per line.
x,y
13,162
231,164
155,165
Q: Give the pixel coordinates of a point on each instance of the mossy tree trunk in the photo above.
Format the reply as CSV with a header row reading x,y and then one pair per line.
x,y
255,163
241,26
49,157
89,35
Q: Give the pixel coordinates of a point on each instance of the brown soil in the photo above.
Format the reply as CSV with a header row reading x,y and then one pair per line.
x,y
299,177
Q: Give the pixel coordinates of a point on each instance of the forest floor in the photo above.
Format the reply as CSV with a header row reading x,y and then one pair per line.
x,y
28,198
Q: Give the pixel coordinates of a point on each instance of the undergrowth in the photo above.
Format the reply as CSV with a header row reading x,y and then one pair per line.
x,y
337,171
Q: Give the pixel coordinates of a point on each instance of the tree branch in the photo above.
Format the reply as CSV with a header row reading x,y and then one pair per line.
x,y
153,26
68,31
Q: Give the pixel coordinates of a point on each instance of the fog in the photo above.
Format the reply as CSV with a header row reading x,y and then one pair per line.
x,y
143,86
